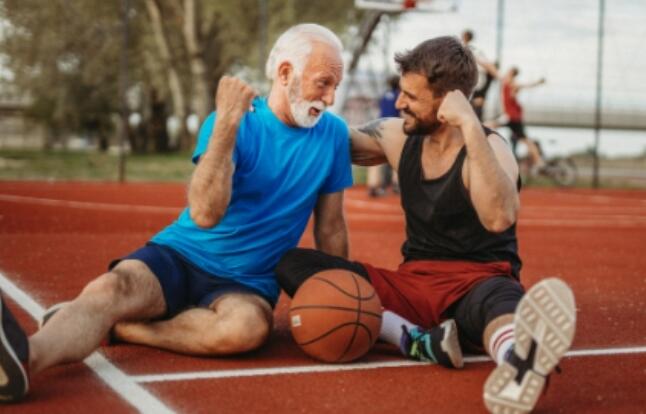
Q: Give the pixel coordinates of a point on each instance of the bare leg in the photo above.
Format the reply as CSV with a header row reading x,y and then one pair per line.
x,y
534,154
374,180
130,290
234,323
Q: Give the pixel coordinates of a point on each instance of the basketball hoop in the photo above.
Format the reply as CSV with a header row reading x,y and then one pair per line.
x,y
398,6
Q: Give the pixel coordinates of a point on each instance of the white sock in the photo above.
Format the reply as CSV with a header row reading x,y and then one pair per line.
x,y
391,327
500,342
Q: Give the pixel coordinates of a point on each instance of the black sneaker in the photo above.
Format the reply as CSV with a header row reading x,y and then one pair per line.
x,y
14,356
439,345
544,325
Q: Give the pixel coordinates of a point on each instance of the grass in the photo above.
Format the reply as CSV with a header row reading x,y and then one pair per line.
x,y
94,166
72,165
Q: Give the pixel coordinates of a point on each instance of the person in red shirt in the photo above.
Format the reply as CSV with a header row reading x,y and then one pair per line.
x,y
514,112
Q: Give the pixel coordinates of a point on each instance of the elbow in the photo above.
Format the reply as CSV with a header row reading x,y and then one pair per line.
x,y
500,224
204,220
503,220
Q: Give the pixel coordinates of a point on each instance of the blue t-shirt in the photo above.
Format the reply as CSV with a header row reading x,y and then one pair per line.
x,y
279,174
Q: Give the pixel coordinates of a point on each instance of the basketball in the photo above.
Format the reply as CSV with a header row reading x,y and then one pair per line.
x,y
335,316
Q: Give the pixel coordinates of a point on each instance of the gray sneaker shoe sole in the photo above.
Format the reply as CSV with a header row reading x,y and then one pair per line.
x,y
450,343
546,316
14,382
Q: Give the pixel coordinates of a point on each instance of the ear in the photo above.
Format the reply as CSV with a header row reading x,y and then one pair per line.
x,y
285,71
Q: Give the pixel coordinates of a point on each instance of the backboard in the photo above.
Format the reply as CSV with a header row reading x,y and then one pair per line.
x,y
398,6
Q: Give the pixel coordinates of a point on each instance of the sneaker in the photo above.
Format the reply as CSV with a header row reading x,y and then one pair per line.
x,y
544,325
14,356
375,192
439,345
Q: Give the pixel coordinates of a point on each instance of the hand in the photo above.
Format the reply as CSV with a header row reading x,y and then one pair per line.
x,y
455,109
233,97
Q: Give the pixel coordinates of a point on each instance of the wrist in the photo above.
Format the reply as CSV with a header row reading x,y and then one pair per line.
x,y
470,123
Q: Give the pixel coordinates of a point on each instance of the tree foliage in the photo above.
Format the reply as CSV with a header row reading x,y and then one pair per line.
x,y
65,55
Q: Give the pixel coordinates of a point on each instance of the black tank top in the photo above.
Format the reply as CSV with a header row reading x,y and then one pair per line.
x,y
441,222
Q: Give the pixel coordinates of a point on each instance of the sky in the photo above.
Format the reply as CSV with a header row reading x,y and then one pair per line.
x,y
552,39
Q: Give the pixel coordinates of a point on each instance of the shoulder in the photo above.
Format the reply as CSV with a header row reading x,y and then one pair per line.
x,y
331,122
334,120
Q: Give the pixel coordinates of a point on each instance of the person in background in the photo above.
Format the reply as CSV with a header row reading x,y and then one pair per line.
x,y
514,116
487,73
379,177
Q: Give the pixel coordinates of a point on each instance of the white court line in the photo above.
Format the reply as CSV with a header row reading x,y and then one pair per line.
x,y
313,369
116,379
396,215
89,205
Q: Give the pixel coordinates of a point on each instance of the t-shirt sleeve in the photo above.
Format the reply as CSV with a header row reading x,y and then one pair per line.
x,y
340,176
204,136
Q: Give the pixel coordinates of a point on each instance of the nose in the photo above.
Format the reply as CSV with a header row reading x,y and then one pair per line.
x,y
328,97
399,103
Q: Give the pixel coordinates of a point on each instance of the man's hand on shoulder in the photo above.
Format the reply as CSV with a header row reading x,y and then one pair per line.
x,y
233,98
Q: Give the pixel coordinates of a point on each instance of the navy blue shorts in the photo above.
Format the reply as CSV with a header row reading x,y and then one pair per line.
x,y
183,284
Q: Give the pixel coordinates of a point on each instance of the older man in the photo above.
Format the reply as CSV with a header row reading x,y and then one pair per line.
x,y
205,285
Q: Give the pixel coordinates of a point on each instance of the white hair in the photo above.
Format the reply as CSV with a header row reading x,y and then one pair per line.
x,y
295,45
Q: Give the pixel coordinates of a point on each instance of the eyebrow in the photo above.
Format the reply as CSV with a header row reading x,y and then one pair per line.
x,y
408,94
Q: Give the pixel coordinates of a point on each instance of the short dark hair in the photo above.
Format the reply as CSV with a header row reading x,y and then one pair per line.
x,y
467,35
445,62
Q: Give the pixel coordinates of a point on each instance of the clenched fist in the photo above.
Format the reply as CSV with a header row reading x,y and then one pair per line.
x,y
233,97
455,109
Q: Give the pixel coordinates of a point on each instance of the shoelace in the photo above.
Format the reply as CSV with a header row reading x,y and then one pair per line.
x,y
418,346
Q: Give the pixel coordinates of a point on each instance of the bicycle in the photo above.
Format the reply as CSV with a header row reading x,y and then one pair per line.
x,y
560,170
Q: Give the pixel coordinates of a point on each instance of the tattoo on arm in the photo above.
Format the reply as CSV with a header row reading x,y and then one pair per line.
x,y
373,128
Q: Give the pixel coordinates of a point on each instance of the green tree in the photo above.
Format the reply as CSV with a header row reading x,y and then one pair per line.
x,y
65,55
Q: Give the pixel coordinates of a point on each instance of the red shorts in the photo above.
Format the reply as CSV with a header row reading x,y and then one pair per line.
x,y
422,290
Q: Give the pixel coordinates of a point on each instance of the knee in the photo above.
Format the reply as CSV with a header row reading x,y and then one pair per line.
x,y
504,296
240,329
288,261
290,269
111,286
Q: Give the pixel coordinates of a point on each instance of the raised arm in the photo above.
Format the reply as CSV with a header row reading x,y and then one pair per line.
x,y
210,187
377,142
490,169
330,231
528,85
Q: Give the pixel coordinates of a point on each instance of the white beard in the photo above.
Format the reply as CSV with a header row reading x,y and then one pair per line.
x,y
301,108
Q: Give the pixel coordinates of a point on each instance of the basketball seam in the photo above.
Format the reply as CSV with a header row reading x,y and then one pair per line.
x,y
336,328
358,318
343,291
339,308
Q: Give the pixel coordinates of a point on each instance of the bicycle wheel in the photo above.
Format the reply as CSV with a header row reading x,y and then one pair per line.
x,y
562,171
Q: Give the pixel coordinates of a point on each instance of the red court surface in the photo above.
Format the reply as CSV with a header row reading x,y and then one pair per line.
x,y
55,237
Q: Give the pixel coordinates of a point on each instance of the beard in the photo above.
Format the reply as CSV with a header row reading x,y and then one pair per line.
x,y
415,126
301,107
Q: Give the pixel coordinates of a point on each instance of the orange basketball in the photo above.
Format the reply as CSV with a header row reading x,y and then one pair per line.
x,y
335,316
